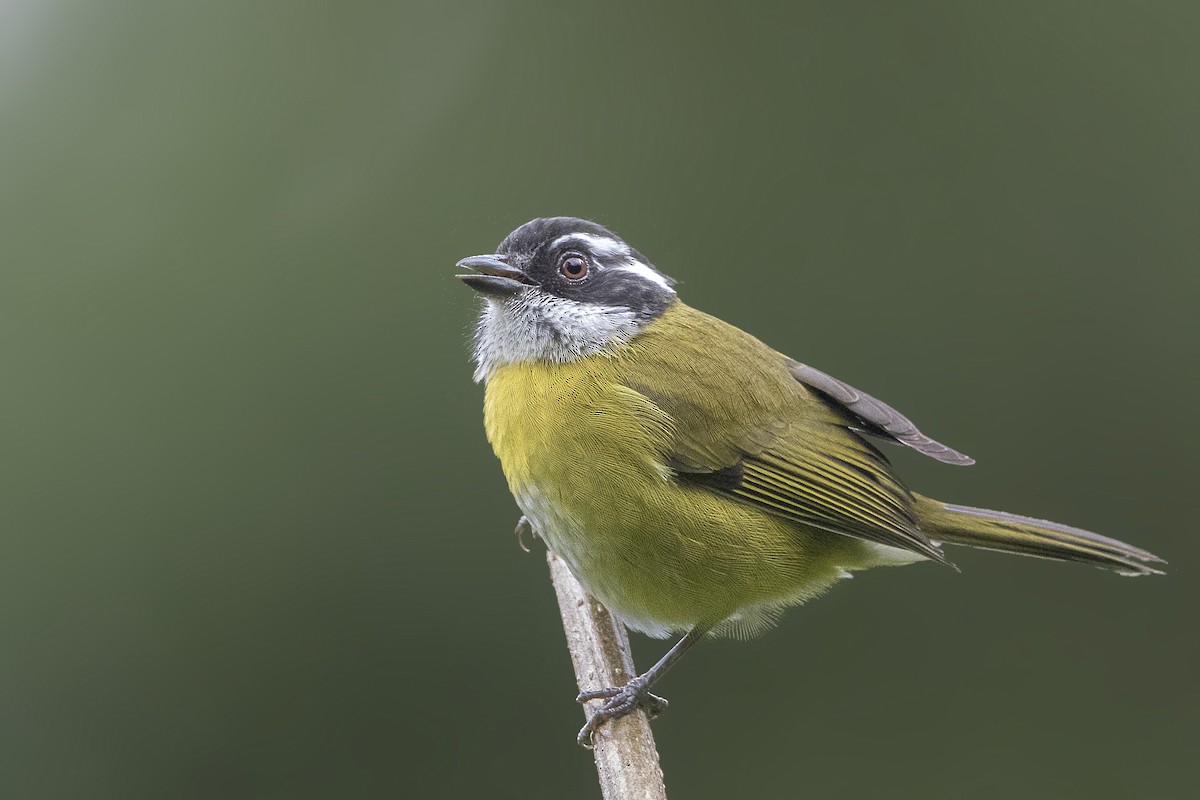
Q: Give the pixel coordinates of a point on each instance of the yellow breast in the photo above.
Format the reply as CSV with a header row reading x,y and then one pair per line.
x,y
568,420
585,459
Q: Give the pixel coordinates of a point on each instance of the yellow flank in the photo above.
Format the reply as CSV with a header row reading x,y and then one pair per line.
x,y
585,452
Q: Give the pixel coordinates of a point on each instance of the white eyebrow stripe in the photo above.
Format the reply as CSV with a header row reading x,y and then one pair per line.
x,y
644,271
602,245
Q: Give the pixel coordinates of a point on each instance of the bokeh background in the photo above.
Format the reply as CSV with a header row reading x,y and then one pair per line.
x,y
255,545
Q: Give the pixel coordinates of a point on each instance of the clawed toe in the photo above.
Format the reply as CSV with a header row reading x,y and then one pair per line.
x,y
598,694
524,526
622,701
635,693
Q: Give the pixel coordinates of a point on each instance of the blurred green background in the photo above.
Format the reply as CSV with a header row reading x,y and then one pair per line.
x,y
256,546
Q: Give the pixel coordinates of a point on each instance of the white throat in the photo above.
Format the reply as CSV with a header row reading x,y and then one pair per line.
x,y
541,327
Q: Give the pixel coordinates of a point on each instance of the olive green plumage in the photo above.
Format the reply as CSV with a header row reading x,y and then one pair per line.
x,y
731,489
691,477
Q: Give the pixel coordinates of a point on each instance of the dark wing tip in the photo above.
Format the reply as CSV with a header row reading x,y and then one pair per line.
x,y
878,417
935,449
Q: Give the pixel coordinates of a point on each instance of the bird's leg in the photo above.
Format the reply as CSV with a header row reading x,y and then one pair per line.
x,y
635,694
524,526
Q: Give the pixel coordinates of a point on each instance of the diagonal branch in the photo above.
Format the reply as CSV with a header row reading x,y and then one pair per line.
x,y
626,758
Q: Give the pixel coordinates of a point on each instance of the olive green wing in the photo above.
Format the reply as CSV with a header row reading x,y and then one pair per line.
x,y
828,477
744,425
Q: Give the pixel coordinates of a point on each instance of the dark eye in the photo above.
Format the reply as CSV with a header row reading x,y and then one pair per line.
x,y
573,266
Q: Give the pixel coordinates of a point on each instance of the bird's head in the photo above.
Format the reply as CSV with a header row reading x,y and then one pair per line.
x,y
559,289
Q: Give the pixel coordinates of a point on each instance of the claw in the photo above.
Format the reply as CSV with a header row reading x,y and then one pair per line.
x,y
635,693
621,701
524,526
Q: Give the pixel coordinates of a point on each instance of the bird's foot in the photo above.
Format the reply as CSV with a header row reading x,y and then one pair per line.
x,y
622,700
524,526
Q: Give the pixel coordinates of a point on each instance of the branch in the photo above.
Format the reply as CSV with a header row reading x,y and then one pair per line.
x,y
626,758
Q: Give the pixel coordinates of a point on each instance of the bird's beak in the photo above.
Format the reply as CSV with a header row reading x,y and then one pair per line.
x,y
492,275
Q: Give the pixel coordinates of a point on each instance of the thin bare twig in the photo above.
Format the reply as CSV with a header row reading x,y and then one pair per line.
x,y
626,758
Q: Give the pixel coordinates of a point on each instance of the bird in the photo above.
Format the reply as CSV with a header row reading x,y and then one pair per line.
x,y
696,481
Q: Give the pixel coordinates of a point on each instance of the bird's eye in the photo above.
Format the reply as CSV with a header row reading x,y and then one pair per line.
x,y
573,266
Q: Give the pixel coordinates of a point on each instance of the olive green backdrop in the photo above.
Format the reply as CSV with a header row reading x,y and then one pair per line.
x,y
254,543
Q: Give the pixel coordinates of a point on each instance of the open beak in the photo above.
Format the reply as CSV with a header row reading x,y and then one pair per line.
x,y
492,275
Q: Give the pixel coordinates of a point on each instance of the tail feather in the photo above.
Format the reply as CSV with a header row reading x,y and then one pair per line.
x,y
1011,533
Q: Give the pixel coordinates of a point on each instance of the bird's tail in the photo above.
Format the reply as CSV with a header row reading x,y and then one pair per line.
x,y
1010,533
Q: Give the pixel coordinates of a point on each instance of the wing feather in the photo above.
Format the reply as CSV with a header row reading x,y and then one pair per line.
x,y
877,416
850,494
756,426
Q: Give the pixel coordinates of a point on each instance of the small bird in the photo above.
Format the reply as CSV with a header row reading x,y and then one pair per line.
x,y
692,478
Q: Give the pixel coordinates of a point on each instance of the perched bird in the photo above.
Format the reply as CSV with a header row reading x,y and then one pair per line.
x,y
695,480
